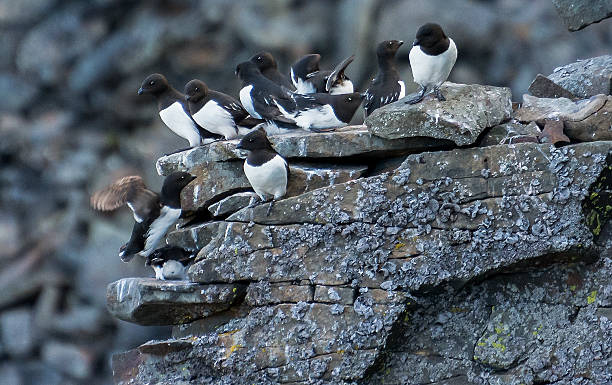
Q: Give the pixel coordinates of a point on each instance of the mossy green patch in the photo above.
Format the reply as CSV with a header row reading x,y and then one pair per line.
x,y
591,297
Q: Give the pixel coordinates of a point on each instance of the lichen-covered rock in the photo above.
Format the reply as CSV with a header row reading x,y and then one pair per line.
x,y
466,113
512,132
231,204
352,141
148,301
586,78
584,120
577,14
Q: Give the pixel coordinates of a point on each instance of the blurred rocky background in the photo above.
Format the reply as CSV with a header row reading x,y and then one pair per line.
x,y
71,122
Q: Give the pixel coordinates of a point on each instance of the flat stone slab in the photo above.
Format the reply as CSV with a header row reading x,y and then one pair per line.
x,y
585,78
577,14
215,179
148,301
584,120
466,113
352,141
543,87
231,204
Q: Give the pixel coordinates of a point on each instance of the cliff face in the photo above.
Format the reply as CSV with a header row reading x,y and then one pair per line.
x,y
398,260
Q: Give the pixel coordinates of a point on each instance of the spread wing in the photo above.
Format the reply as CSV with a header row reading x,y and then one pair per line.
x,y
129,190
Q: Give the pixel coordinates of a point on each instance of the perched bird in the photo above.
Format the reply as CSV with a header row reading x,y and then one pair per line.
x,y
265,169
432,58
217,112
258,94
154,213
308,79
169,262
267,66
320,112
174,111
386,87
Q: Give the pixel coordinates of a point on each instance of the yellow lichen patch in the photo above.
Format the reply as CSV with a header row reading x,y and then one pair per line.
x,y
232,349
591,297
229,333
572,287
340,351
399,245
482,344
499,346
455,309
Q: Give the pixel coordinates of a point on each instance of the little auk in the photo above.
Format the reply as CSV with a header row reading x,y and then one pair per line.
x,y
174,111
320,112
169,262
432,58
217,112
265,169
258,94
154,213
386,87
308,79
266,64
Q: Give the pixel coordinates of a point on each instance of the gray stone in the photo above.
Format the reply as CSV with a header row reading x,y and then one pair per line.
x,y
577,14
67,358
467,112
585,78
20,90
264,293
334,294
231,204
584,120
193,237
18,334
148,301
543,87
352,141
510,133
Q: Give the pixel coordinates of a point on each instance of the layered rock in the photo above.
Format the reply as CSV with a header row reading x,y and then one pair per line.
x,y
578,14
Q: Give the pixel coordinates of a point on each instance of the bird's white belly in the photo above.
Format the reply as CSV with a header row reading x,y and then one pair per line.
x,y
216,119
167,217
430,70
346,87
402,92
268,179
319,117
304,87
247,102
180,123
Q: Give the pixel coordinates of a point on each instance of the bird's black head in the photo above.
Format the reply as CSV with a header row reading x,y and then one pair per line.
x,y
172,187
429,36
195,90
306,65
246,69
255,140
264,61
154,84
345,105
388,48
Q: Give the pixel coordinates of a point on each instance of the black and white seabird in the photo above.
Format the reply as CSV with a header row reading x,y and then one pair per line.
x,y
386,87
217,112
174,111
308,79
265,169
154,213
432,58
320,112
169,262
258,94
267,66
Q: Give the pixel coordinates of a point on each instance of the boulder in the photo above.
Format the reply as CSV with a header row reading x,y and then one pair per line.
x,y
584,120
511,133
466,113
543,87
578,14
585,78
148,301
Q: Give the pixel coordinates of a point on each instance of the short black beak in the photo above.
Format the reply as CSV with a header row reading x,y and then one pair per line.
x,y
416,42
400,43
239,146
140,91
187,97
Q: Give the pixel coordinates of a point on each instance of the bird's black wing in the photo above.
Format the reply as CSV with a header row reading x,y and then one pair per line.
x,y
337,75
267,107
230,104
129,190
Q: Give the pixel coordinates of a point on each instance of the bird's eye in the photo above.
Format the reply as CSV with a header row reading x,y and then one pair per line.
x,y
196,89
390,43
251,140
349,99
152,82
259,58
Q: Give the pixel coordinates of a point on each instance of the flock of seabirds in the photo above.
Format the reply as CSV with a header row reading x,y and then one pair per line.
x,y
270,103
